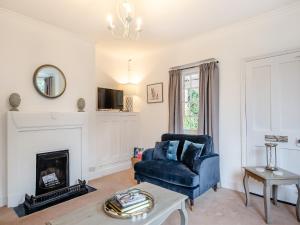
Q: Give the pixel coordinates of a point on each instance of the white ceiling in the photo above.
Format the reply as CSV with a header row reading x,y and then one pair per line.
x,y
164,21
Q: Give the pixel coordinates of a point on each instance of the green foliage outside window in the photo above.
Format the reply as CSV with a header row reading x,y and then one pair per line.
x,y
190,120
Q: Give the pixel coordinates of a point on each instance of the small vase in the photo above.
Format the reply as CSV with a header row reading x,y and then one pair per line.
x,y
128,104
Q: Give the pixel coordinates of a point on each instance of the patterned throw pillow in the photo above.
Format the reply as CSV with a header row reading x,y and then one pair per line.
x,y
160,151
191,154
172,150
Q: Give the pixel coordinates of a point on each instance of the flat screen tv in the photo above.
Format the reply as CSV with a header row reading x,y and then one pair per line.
x,y
110,99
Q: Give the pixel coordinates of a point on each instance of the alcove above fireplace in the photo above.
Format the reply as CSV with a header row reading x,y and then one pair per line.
x,y
52,171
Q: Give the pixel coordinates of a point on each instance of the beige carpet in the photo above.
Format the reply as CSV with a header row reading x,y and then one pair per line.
x,y
225,207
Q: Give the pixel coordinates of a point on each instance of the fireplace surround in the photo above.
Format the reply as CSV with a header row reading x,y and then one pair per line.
x,y
32,133
52,171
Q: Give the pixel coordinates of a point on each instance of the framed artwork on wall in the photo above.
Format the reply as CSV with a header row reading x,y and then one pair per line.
x,y
155,93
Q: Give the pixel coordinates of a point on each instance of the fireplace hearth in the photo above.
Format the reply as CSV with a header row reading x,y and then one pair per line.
x,y
36,203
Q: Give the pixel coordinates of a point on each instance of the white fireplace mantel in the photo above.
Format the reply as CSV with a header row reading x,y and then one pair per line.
x,y
31,133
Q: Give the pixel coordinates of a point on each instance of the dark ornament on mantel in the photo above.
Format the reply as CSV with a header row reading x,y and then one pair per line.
x,y
81,104
14,101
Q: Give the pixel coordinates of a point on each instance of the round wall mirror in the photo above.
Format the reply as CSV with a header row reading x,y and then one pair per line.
x,y
49,81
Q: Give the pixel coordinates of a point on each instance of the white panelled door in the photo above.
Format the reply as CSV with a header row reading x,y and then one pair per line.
x,y
273,108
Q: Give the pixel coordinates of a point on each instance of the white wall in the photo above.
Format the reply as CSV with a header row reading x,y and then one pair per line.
x,y
107,68
272,32
26,44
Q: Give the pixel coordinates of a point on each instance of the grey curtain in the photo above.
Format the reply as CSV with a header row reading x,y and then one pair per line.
x,y
209,101
175,107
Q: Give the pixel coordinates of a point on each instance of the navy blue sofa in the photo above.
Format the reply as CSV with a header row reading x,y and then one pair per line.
x,y
176,176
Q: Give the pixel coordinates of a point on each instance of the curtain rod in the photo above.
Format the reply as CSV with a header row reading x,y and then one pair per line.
x,y
193,65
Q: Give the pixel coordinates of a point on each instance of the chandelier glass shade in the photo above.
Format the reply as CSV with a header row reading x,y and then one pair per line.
x,y
126,25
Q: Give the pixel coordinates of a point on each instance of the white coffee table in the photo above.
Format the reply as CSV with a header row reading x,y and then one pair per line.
x,y
166,202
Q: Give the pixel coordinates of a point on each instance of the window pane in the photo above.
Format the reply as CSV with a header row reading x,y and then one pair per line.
x,y
187,81
195,76
186,109
190,123
195,81
186,96
191,100
191,109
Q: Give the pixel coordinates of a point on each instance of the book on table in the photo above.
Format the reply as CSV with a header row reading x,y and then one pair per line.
x,y
114,204
131,197
129,202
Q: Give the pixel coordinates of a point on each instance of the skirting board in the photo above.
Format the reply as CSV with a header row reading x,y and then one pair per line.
x,y
3,201
232,185
109,169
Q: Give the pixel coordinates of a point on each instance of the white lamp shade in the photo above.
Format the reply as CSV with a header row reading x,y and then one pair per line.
x,y
130,89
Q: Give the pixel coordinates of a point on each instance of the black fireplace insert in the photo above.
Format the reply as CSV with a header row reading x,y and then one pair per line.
x,y
52,171
52,183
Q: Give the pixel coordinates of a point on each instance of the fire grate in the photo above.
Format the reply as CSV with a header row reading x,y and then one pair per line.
x,y
52,171
36,203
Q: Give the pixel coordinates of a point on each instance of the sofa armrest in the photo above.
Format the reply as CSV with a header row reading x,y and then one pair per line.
x,y
148,154
208,168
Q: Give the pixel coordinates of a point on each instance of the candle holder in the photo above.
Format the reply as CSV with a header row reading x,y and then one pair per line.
x,y
271,151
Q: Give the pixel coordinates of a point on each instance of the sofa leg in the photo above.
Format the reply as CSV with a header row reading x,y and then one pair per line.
x,y
215,187
138,182
191,204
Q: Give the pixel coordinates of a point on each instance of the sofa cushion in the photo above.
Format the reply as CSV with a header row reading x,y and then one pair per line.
x,y
173,172
186,146
192,153
172,150
160,151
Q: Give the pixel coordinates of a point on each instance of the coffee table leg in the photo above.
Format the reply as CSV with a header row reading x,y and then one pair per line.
x,y
275,193
298,204
267,196
246,187
183,214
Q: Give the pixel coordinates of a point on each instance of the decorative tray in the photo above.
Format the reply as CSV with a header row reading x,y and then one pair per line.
x,y
111,211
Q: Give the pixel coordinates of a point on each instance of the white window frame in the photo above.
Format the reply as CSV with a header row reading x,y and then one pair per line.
x,y
184,73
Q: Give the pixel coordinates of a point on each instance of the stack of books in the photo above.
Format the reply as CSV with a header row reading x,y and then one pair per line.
x,y
129,202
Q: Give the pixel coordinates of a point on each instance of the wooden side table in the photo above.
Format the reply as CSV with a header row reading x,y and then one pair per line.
x,y
134,161
270,180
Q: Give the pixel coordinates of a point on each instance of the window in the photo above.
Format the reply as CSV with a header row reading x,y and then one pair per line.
x,y
190,102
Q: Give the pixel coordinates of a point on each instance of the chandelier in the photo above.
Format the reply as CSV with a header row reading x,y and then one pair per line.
x,y
127,25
